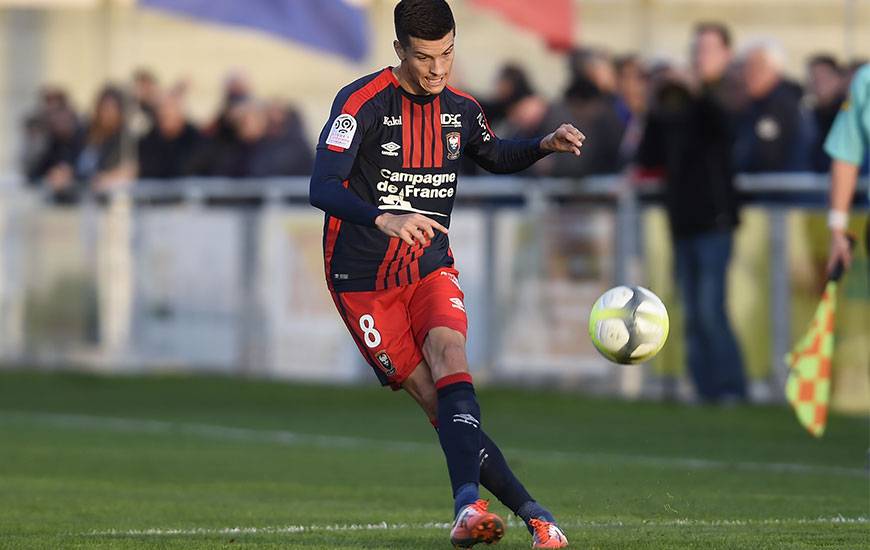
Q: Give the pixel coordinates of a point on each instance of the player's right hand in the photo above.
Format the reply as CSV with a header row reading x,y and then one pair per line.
x,y
409,227
841,250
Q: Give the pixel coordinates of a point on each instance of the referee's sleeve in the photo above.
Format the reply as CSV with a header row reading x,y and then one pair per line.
x,y
848,139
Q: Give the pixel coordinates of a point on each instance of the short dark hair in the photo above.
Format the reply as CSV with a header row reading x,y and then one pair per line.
x,y
717,28
520,87
424,19
144,75
626,61
827,60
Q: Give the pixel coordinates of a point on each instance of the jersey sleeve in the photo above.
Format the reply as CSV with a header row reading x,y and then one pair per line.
x,y
849,135
337,149
499,156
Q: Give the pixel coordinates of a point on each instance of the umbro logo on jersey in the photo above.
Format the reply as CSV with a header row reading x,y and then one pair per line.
x,y
390,149
451,121
392,121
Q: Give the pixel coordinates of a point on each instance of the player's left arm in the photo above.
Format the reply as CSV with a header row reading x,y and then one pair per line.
x,y
564,139
505,156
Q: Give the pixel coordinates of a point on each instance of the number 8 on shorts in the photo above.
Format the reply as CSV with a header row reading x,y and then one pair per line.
x,y
371,336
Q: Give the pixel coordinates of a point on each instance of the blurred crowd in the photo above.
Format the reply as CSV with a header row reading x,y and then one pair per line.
x,y
142,129
776,124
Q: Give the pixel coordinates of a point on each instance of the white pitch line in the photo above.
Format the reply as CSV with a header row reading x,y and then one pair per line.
x,y
295,529
283,437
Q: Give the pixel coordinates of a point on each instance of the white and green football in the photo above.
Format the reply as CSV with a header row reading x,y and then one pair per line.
x,y
628,324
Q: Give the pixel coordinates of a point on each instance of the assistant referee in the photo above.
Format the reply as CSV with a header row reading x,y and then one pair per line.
x,y
848,144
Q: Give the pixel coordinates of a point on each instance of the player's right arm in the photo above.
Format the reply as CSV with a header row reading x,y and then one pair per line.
x,y
409,227
337,150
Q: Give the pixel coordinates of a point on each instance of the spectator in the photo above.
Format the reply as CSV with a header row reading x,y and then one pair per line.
x,y
595,112
285,134
528,114
632,88
237,89
146,97
689,134
511,86
166,151
593,65
826,92
772,135
54,142
591,97
106,158
221,134
253,146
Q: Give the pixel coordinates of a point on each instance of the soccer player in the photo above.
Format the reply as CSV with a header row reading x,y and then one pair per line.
x,y
385,174
848,144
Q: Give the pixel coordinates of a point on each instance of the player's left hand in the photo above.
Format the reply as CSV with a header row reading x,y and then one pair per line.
x,y
566,139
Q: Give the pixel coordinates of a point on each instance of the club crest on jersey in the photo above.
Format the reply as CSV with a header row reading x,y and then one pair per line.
x,y
386,364
452,145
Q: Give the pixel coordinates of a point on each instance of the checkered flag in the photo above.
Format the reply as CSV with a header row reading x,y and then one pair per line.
x,y
808,387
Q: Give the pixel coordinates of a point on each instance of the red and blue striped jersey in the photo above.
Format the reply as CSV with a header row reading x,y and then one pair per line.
x,y
386,150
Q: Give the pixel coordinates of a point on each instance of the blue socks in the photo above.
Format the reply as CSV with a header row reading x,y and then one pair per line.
x,y
496,475
473,458
459,434
465,495
532,510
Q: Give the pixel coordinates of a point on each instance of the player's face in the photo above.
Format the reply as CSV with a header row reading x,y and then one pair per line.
x,y
427,63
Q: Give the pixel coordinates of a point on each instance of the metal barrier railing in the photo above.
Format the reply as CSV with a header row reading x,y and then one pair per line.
x,y
227,313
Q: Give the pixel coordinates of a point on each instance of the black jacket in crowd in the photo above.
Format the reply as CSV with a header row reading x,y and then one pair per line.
x,y
823,118
691,136
161,157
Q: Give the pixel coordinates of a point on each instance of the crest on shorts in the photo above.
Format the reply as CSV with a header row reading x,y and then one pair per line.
x,y
386,364
452,145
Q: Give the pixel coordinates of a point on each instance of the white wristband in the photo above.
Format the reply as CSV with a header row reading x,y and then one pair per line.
x,y
838,220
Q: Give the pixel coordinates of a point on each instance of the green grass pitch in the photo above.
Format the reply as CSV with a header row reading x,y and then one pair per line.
x,y
190,462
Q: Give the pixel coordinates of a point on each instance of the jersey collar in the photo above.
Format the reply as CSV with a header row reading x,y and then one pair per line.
x,y
421,99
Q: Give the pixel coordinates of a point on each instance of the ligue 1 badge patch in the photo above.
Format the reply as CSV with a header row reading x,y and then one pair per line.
x,y
386,364
452,145
342,131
